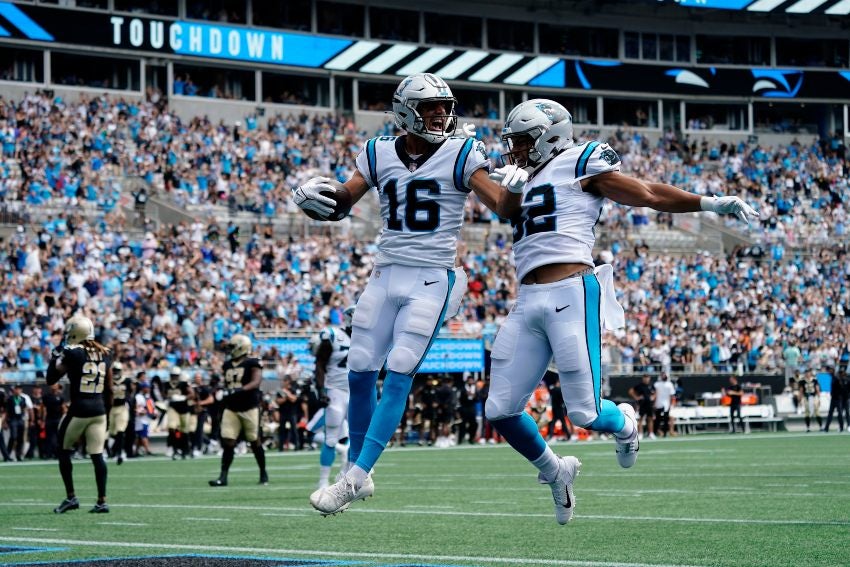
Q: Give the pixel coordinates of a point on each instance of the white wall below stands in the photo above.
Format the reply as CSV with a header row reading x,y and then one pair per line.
x,y
16,91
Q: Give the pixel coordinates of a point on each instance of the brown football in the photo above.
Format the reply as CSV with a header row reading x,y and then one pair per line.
x,y
343,203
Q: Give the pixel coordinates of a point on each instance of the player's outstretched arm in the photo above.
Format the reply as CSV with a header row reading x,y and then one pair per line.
x,y
662,197
490,188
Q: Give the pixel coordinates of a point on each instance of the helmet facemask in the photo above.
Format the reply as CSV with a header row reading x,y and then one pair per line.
x,y
420,123
415,91
522,148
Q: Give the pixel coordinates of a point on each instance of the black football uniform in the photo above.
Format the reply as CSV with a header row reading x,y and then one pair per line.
x,y
87,376
237,376
180,388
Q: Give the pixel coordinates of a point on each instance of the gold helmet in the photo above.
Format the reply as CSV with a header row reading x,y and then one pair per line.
x,y
117,369
239,346
78,329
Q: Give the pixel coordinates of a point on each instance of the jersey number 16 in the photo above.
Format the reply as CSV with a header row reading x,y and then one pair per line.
x,y
420,215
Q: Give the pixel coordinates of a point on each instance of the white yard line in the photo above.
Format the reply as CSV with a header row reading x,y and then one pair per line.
x,y
202,519
134,524
367,510
36,529
346,554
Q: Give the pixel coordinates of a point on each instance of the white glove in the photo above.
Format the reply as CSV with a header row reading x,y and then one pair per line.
x,y
468,129
510,177
729,206
308,198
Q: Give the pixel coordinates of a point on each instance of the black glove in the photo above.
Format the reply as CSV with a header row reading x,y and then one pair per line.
x,y
324,400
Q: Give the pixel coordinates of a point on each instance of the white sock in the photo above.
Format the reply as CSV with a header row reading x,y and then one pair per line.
x,y
358,475
548,464
324,473
628,431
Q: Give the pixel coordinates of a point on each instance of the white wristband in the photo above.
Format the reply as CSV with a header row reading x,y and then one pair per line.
x,y
707,204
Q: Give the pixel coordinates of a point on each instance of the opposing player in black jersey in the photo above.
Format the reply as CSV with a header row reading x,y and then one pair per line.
x,y
88,365
178,394
119,413
242,378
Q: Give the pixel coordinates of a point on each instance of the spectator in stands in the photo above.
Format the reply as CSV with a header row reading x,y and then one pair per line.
x,y
735,393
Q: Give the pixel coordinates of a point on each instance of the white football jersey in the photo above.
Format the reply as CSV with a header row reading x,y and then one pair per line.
x,y
422,199
336,374
557,219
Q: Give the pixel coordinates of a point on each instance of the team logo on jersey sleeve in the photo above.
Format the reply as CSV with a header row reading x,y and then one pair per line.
x,y
610,157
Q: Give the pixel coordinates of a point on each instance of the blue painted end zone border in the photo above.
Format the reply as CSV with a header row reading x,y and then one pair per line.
x,y
300,561
19,549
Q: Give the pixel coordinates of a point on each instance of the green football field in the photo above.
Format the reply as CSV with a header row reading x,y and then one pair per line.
x,y
767,500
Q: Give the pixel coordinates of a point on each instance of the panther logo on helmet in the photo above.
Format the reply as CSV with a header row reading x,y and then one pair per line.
x,y
412,93
545,126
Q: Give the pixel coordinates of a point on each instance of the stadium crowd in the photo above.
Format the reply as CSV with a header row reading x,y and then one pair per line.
x,y
173,296
77,151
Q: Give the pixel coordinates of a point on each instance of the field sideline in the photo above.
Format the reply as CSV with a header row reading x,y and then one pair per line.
x,y
767,500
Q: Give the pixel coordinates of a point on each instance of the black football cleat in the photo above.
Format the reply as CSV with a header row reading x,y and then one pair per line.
x,y
264,478
219,482
67,504
100,509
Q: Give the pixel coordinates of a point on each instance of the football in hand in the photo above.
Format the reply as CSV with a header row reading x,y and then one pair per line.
x,y
343,203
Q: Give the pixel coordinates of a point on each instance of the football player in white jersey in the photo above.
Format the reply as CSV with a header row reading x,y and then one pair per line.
x,y
423,179
330,347
563,303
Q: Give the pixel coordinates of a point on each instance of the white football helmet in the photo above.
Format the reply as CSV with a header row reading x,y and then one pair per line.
x,y
416,90
117,369
348,317
239,346
78,329
549,125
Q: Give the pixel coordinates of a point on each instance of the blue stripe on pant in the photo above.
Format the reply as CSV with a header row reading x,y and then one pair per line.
x,y
609,417
393,400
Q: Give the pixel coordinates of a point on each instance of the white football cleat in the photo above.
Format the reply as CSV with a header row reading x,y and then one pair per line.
x,y
562,488
335,498
627,449
368,488
338,496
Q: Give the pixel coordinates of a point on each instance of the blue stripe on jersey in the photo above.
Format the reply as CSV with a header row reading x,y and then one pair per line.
x,y
593,334
373,161
581,164
451,275
331,329
460,164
